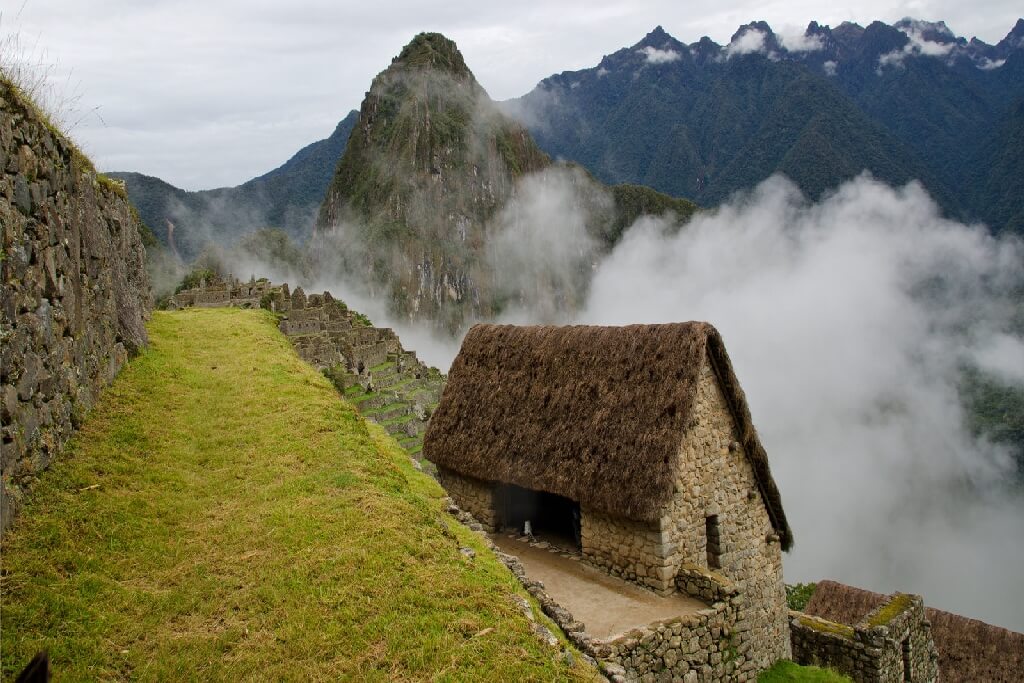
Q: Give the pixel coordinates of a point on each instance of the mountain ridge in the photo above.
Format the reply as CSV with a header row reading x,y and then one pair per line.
x,y
907,101
285,197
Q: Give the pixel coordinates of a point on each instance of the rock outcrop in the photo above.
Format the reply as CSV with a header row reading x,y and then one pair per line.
x,y
435,176
74,292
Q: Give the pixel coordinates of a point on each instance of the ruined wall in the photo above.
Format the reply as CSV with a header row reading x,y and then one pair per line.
x,y
635,551
716,479
891,644
472,495
73,293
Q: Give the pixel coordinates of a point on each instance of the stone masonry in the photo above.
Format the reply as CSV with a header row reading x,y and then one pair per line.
x,y
716,481
74,293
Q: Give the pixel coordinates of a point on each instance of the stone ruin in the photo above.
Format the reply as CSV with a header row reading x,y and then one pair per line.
x,y
227,292
890,644
387,383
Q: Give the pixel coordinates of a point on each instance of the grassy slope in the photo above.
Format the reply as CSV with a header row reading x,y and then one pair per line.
x,y
788,672
222,515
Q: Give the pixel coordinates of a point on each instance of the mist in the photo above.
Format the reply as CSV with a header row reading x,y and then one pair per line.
x,y
849,322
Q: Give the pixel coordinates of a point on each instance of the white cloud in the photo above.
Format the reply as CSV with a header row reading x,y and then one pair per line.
x,y
748,42
830,68
800,42
847,322
656,56
918,45
988,64
602,72
1002,355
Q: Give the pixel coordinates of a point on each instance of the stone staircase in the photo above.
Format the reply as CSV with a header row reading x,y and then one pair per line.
x,y
388,384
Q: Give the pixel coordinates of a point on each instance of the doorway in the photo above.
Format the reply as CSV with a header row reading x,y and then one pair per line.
x,y
553,518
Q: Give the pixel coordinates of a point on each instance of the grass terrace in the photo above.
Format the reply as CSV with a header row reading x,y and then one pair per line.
x,y
222,515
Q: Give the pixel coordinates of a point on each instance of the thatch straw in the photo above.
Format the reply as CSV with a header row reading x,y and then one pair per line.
x,y
596,414
969,650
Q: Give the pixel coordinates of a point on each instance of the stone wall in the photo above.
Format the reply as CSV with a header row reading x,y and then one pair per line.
x,y
73,297
472,495
716,480
891,644
629,549
713,644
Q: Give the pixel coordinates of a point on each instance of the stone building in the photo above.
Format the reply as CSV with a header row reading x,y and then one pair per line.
x,y
636,445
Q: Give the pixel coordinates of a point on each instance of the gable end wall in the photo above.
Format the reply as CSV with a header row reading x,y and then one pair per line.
x,y
716,478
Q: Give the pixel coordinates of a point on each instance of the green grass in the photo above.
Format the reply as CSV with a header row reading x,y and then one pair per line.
x,y
887,613
786,672
222,515
798,595
826,626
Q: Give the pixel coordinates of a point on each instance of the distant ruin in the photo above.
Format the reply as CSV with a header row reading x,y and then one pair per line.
x,y
387,383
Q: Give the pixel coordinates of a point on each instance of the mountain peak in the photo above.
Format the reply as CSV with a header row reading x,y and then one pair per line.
x,y
657,34
432,51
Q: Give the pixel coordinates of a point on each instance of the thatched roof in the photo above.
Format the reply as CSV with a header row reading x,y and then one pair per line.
x,y
596,414
969,650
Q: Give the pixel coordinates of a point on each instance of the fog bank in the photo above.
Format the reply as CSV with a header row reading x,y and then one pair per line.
x,y
848,322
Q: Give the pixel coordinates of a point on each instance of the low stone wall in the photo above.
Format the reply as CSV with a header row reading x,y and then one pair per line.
x,y
893,643
74,293
472,495
631,550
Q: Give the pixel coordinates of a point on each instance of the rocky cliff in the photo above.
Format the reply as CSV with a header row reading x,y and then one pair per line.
x,y
73,291
440,200
429,162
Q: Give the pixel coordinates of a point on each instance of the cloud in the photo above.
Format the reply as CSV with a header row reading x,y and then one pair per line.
x,y
829,67
749,42
918,45
848,322
541,253
801,42
987,64
1002,355
656,56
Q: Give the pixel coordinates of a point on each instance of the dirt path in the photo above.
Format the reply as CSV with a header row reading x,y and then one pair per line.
x,y
608,606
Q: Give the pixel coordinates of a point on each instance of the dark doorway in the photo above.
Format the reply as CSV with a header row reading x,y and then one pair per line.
x,y
553,518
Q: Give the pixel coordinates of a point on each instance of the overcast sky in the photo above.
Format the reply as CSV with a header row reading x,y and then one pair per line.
x,y
208,93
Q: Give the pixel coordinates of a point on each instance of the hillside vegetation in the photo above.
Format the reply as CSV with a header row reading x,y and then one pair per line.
x,y
707,120
224,515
